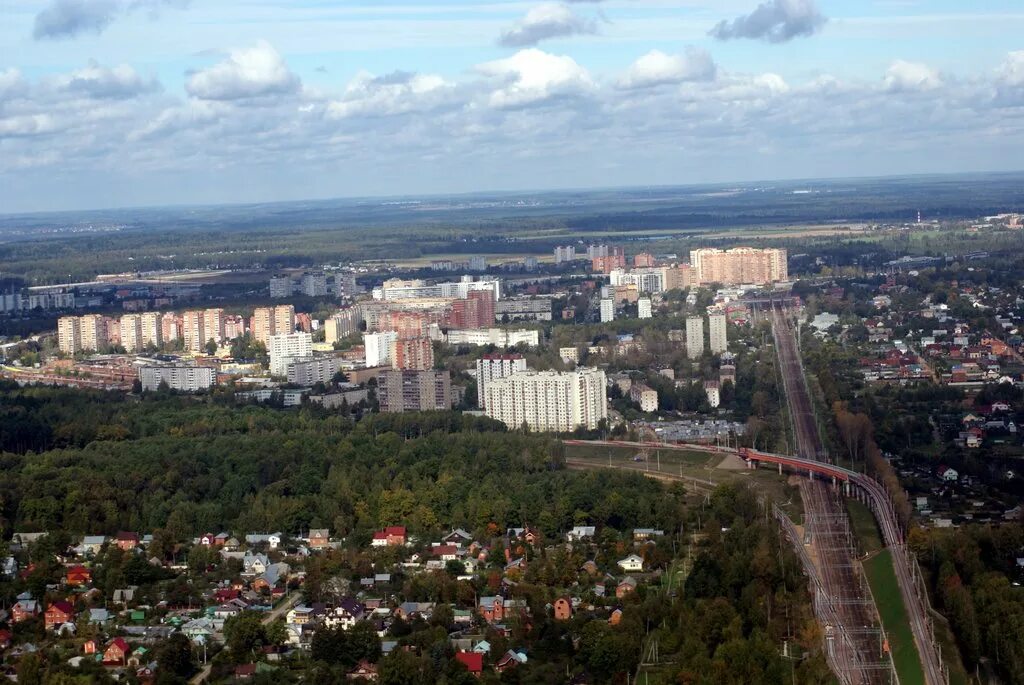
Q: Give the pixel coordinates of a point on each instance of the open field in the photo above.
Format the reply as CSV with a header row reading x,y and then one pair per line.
x,y
886,590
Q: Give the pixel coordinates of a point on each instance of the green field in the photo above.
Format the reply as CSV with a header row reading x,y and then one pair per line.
x,y
890,605
864,526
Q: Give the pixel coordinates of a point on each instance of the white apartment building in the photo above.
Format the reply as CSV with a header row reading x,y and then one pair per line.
x,y
607,310
645,280
395,289
378,348
307,372
548,400
645,396
719,337
565,254
694,336
490,368
286,348
493,336
643,308
178,377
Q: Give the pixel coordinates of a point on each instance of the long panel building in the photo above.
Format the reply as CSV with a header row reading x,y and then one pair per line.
x,y
739,265
548,400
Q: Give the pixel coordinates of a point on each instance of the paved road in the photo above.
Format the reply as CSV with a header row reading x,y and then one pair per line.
x,y
271,616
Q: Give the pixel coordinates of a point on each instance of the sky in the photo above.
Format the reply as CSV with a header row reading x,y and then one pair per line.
x,y
114,103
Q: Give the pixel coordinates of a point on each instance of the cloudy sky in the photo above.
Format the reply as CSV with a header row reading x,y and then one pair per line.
x,y
145,102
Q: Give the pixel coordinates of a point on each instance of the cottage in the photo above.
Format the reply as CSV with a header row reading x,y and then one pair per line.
x,y
391,536
492,608
364,670
579,533
947,474
473,661
255,564
641,534
345,614
92,544
631,564
24,609
457,537
510,659
562,609
57,614
116,653
76,576
319,538
626,586
127,541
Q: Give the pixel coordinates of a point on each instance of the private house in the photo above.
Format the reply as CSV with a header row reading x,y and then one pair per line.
x,y
625,586
562,609
492,609
642,534
510,659
24,609
457,537
57,614
579,533
364,670
947,474
255,564
392,536
631,564
445,553
319,538
116,652
77,576
473,661
92,544
345,614
127,541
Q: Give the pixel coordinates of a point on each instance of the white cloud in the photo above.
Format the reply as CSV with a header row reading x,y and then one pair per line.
x,y
902,76
397,93
775,21
246,73
533,76
97,81
657,68
549,20
1011,71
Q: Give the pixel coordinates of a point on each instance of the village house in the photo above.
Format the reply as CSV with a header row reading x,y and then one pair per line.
x,y
24,609
625,586
562,609
116,652
76,576
473,661
631,564
492,609
127,541
319,538
391,536
57,614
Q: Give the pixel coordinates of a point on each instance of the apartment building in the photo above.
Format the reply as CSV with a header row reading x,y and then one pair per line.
x,y
180,377
152,328
565,254
342,324
739,265
270,321
401,391
548,400
607,310
93,332
69,334
643,308
308,372
377,347
491,367
694,337
719,337
645,396
416,354
286,348
131,332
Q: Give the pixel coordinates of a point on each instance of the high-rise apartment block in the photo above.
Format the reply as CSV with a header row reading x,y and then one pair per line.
x,y
286,348
152,329
739,265
414,354
281,286
491,367
342,324
192,330
213,323
565,254
313,285
643,260
177,377
548,400
131,332
643,308
93,330
401,391
69,334
694,336
378,348
719,337
607,310
678,277
170,327
270,321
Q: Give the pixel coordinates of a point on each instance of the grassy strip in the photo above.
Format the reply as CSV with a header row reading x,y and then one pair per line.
x,y
889,601
864,526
